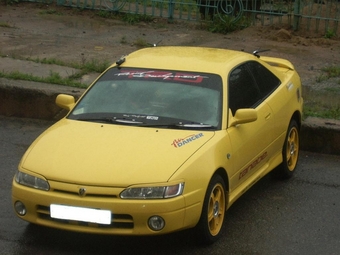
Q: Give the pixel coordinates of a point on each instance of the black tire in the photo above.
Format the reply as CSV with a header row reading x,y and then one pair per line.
x,y
209,227
290,151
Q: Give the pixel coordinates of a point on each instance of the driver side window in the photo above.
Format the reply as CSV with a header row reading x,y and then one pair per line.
x,y
242,89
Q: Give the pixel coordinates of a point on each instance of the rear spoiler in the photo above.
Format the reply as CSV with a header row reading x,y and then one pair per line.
x,y
278,62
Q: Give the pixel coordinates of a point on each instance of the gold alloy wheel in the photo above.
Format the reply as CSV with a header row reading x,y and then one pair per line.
x,y
292,149
216,209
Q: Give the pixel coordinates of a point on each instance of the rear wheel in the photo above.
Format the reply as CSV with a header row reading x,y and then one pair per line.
x,y
213,212
290,152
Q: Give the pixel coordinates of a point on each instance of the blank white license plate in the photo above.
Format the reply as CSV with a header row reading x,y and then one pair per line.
x,y
65,212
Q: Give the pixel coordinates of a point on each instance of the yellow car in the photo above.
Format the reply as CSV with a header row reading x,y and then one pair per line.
x,y
166,139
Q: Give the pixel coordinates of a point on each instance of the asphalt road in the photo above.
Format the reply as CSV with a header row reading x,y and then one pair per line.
x,y
299,216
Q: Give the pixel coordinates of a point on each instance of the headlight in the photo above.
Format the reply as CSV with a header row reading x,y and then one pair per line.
x,y
31,181
153,192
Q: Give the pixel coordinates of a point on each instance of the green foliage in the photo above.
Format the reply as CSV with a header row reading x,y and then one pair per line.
x,y
136,18
330,34
227,24
9,2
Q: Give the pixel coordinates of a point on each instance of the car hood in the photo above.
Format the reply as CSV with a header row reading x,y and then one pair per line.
x,y
110,155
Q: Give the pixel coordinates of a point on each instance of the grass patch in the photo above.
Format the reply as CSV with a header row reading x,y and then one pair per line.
x,y
322,103
322,112
333,90
51,11
4,24
123,40
106,14
329,72
129,18
49,61
332,71
53,78
93,66
141,43
136,18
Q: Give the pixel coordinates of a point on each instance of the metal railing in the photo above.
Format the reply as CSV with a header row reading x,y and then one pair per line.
x,y
310,15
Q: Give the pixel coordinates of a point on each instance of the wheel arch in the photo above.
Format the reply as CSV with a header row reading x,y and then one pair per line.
x,y
223,173
297,116
208,229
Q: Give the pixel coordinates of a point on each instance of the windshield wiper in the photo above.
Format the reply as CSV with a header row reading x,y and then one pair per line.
x,y
196,125
132,121
127,121
178,125
112,120
106,120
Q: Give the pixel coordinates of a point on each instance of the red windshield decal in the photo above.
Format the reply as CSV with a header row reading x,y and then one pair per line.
x,y
163,75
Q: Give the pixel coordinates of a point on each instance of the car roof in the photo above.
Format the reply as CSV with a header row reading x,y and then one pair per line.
x,y
200,59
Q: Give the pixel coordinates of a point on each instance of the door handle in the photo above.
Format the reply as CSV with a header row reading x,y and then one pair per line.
x,y
268,116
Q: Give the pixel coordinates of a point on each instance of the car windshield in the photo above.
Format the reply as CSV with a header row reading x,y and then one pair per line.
x,y
149,97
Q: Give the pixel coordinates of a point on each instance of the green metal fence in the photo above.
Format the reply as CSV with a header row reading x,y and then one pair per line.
x,y
317,15
311,15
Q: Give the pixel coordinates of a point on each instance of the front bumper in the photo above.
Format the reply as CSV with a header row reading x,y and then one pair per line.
x,y
128,217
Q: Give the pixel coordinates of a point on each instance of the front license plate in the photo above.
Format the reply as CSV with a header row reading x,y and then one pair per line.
x,y
65,212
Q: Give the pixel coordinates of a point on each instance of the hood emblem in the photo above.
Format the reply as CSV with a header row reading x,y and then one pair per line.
x,y
82,192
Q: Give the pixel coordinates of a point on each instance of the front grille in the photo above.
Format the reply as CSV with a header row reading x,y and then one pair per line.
x,y
87,194
118,221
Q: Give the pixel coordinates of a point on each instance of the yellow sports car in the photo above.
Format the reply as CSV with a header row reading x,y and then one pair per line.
x,y
166,139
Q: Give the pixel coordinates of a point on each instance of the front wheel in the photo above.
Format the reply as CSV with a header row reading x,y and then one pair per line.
x,y
290,152
213,212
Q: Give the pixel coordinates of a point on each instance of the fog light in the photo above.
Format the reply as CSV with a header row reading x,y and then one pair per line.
x,y
20,208
156,223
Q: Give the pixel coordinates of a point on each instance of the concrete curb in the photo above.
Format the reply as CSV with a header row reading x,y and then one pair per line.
x,y
27,99
37,100
320,135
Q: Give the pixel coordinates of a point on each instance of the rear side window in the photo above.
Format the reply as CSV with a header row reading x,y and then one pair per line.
x,y
266,80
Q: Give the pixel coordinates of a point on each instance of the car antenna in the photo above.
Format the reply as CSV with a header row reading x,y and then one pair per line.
x,y
256,52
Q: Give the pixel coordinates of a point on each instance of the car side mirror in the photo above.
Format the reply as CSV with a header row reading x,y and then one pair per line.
x,y
65,101
243,116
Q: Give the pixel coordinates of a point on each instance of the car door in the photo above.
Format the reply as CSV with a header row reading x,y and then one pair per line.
x,y
276,97
250,141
